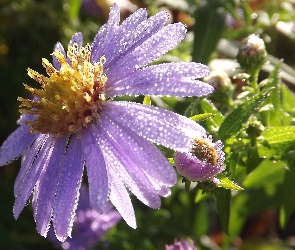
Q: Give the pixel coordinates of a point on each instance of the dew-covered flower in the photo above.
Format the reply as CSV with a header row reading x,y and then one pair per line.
x,y
203,162
181,245
73,121
89,225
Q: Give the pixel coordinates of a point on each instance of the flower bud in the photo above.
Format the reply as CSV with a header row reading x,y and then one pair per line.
x,y
254,128
252,53
203,162
223,87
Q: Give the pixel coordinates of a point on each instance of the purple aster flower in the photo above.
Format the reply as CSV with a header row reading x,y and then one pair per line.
x,y
181,245
203,162
89,225
73,121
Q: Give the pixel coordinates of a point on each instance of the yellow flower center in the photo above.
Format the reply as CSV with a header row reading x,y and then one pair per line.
x,y
204,151
70,98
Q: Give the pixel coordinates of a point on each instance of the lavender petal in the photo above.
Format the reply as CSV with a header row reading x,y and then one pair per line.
x,y
103,38
29,180
140,151
96,171
121,200
16,144
46,187
174,79
130,174
157,125
67,193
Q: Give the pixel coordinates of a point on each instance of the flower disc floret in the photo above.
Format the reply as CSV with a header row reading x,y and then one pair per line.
x,y
70,98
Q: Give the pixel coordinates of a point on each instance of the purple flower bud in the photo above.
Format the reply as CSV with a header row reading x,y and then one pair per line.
x,y
203,162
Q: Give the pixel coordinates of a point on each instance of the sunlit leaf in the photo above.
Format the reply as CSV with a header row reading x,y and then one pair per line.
x,y
278,140
236,119
267,173
227,183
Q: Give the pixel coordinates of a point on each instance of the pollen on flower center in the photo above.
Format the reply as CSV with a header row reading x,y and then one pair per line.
x,y
204,151
69,98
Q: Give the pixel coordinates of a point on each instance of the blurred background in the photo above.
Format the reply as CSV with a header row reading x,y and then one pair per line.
x,y
28,31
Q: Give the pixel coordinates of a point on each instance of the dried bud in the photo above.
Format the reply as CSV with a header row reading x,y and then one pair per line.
x,y
252,53
204,161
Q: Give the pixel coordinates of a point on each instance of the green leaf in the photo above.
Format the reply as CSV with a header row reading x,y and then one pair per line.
x,y
288,100
208,29
276,115
212,124
268,173
201,117
237,118
287,199
227,183
223,197
278,140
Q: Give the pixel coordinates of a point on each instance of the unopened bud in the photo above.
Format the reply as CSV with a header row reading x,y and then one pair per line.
x,y
252,53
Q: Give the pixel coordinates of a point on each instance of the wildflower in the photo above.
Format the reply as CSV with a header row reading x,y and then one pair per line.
x,y
203,162
73,121
89,225
181,245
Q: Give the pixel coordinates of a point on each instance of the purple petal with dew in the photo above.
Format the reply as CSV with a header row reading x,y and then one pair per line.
x,y
67,193
77,38
103,38
140,151
126,34
133,177
57,46
174,79
30,178
130,35
158,125
16,144
44,192
96,171
121,200
162,189
28,158
151,49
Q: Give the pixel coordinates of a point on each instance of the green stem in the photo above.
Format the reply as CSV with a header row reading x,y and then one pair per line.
x,y
254,82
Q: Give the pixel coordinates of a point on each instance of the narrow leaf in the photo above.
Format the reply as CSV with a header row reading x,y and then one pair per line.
x,y
236,119
227,183
201,117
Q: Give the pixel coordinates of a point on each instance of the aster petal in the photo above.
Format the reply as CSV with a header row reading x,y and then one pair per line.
x,y
158,125
155,46
96,171
30,178
132,34
103,38
174,79
121,200
28,159
126,35
140,151
16,144
67,193
131,175
57,46
77,38
45,189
